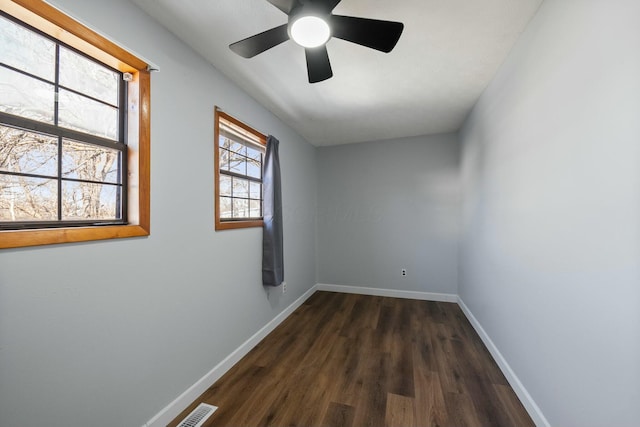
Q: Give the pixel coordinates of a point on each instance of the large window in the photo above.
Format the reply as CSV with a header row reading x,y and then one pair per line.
x,y
62,131
74,132
238,170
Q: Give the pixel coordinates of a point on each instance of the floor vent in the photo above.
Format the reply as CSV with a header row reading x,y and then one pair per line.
x,y
198,416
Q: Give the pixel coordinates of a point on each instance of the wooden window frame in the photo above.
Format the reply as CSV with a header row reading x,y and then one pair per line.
x,y
230,225
51,21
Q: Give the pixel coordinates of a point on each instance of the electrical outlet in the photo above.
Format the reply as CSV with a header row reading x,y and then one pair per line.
x,y
404,271
284,287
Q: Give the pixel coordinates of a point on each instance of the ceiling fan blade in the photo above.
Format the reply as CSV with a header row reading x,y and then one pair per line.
x,y
329,5
318,65
373,33
251,46
284,5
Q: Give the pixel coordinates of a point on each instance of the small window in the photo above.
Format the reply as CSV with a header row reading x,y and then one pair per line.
x,y
74,132
239,155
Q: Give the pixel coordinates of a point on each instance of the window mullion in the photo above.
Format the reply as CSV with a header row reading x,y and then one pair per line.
x,y
123,193
50,129
241,176
59,178
120,200
25,73
56,85
84,95
56,109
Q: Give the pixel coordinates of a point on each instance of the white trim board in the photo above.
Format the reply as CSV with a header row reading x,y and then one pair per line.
x,y
173,409
530,405
425,296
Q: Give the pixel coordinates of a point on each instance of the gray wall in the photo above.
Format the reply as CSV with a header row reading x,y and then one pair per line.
x,y
551,248
384,206
108,333
550,257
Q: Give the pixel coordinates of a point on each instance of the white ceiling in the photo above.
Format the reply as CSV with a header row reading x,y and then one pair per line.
x,y
448,53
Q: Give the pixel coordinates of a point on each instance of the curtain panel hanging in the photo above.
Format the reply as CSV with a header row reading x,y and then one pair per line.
x,y
272,242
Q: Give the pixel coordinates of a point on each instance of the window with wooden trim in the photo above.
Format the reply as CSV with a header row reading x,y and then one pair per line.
x,y
239,156
74,131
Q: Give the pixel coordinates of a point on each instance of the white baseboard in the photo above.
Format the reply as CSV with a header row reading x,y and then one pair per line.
x,y
530,405
166,415
425,296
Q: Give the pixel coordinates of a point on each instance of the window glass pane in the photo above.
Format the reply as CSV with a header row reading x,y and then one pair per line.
x,y
224,142
254,208
224,159
28,199
83,200
86,76
89,162
27,152
255,190
238,164
254,169
225,207
225,185
83,114
240,188
254,154
237,147
27,51
25,96
240,208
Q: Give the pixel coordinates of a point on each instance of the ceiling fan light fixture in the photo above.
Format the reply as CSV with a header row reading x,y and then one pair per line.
x,y
311,24
310,31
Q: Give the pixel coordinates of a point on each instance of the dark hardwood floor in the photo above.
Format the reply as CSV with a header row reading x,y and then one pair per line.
x,y
353,360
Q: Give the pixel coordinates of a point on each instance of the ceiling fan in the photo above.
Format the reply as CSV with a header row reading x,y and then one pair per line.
x,y
311,24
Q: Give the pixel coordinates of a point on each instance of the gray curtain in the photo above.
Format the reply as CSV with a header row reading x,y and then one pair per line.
x,y
272,250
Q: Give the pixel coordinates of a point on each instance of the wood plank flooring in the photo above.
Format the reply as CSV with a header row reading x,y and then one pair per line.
x,y
354,360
